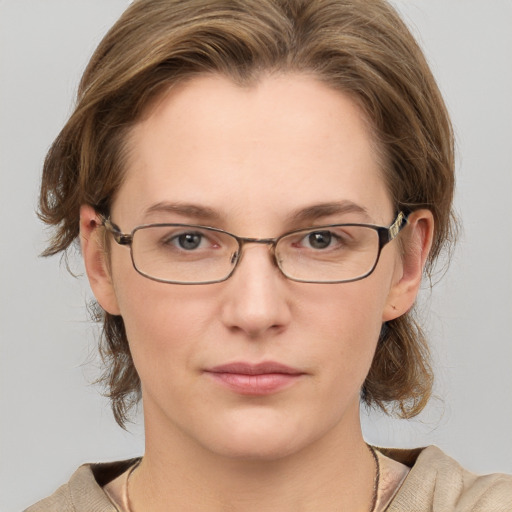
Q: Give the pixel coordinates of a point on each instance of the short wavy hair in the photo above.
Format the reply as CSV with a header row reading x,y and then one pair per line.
x,y
360,47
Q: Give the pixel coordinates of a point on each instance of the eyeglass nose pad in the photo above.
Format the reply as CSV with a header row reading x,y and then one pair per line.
x,y
234,257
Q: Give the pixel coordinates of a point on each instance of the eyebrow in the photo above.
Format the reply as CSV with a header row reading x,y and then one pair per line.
x,y
301,215
187,210
317,211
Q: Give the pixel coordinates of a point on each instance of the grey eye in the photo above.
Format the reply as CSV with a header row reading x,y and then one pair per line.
x,y
189,241
320,239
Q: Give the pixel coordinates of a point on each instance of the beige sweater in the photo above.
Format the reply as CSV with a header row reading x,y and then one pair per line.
x,y
436,483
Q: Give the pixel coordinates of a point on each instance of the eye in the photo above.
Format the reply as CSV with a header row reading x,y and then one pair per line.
x,y
188,241
319,239
180,241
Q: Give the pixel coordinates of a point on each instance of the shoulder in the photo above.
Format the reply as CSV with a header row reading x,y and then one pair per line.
x,y
84,491
438,483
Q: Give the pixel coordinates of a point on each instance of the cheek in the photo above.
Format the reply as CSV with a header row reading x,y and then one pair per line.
x,y
164,323
348,310
344,322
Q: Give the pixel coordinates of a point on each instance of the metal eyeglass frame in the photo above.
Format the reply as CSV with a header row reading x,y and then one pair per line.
x,y
386,235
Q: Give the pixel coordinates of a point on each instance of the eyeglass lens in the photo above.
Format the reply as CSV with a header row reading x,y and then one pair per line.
x,y
192,254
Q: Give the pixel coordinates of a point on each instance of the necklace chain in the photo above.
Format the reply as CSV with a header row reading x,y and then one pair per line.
x,y
126,490
376,479
376,482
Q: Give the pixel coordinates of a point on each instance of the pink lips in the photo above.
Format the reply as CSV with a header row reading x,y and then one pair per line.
x,y
255,379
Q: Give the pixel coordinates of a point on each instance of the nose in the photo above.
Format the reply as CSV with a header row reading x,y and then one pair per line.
x,y
255,300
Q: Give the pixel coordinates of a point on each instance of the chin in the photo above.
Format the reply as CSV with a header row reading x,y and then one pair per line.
x,y
259,438
257,449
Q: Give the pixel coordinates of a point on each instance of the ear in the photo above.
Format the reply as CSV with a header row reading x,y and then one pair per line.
x,y
95,259
416,242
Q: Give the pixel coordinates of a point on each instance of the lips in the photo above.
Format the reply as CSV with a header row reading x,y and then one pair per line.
x,y
255,379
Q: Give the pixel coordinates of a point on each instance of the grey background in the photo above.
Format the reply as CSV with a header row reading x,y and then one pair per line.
x,y
52,418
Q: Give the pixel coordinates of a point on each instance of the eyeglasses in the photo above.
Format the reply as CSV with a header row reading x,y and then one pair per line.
x,y
194,254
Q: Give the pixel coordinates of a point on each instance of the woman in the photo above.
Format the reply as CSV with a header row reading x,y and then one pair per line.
x,y
279,174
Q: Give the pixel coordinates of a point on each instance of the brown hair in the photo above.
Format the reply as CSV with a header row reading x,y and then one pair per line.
x,y
361,47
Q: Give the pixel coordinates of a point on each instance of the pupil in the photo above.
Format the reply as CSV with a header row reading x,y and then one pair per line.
x,y
320,239
189,241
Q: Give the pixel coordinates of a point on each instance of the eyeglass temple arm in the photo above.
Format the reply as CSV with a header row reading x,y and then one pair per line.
x,y
119,237
386,235
396,227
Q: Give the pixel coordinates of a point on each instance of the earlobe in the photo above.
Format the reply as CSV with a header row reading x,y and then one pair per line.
x,y
95,260
416,242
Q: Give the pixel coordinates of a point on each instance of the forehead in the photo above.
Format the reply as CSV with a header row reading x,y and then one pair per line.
x,y
285,142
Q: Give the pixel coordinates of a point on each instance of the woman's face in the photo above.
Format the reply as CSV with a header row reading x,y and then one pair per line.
x,y
256,161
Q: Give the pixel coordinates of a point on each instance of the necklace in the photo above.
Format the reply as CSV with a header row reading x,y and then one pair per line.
x,y
376,482
126,493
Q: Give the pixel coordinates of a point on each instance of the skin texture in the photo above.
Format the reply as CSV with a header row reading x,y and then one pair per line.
x,y
253,156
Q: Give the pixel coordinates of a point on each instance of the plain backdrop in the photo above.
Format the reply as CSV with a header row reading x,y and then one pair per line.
x,y
52,418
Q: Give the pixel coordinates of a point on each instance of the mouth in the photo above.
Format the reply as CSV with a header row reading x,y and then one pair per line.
x,y
255,379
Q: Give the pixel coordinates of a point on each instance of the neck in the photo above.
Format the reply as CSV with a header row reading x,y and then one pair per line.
x,y
336,472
